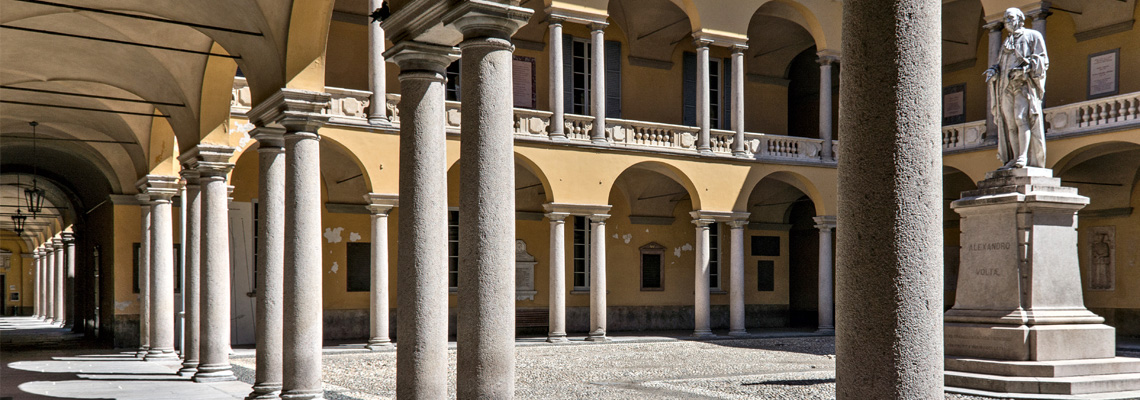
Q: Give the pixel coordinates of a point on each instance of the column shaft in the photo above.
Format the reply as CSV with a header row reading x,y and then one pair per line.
x,y
736,279
161,281
825,107
701,326
213,353
49,284
60,284
70,306
191,291
486,338
144,275
738,148
598,278
557,278
421,357
270,262
703,100
38,285
598,82
302,312
378,304
994,29
377,77
826,285
889,306
557,88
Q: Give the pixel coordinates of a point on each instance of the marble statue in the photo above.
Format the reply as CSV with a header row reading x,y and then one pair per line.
x,y
1016,89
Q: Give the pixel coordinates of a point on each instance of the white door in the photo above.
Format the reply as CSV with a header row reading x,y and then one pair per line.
x,y
241,274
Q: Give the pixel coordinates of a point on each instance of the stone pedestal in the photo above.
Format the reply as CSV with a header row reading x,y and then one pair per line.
x,y
1018,310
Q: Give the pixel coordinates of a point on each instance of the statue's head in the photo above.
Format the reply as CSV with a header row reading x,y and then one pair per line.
x,y
1014,19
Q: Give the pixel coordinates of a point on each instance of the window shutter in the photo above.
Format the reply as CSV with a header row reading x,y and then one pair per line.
x,y
613,78
568,74
727,93
689,89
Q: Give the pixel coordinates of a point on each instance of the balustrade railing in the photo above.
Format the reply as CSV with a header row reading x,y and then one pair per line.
x,y
960,136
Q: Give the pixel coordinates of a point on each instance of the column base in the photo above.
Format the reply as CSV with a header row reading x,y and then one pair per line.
x,y
303,394
379,344
381,121
597,336
826,330
705,152
741,154
188,369
142,352
703,334
160,355
739,333
599,142
265,391
557,338
220,373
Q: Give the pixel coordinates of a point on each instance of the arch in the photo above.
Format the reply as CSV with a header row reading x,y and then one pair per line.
x,y
652,29
791,178
1077,155
669,171
345,176
537,171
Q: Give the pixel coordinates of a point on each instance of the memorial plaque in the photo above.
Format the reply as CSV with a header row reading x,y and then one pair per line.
x,y
954,104
1102,258
523,72
1104,68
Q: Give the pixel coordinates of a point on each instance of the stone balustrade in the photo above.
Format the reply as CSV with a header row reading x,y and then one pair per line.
x,y
1115,112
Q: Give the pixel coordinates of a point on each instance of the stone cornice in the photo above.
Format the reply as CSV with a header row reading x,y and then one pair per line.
x,y
209,159
269,137
296,110
583,17
577,209
421,56
824,221
719,38
421,21
487,18
719,216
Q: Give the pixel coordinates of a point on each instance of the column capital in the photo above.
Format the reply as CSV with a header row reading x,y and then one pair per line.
x,y
269,138
557,217
297,110
702,43
210,160
737,223
824,222
67,238
598,218
190,175
827,57
381,204
160,188
487,19
576,16
576,209
598,26
739,48
1039,10
703,222
995,25
57,243
143,199
422,60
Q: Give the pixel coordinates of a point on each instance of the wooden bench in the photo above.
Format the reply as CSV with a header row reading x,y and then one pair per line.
x,y
532,317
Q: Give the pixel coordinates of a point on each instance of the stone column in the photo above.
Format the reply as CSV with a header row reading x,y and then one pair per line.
x,y
598,278
701,326
738,148
485,341
557,88
1039,15
703,101
60,282
825,61
191,290
825,223
68,254
39,301
557,277
598,81
421,325
994,28
380,206
736,320
270,260
180,302
49,282
161,190
212,163
889,299
377,77
143,274
302,312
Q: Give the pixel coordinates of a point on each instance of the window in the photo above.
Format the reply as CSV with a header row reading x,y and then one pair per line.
x,y
714,256
720,89
359,267
453,249
652,273
452,88
581,253
579,71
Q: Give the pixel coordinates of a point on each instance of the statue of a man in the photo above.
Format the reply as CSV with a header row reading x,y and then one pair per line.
x,y
1016,90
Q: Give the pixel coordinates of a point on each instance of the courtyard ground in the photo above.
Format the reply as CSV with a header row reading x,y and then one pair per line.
x,y
42,362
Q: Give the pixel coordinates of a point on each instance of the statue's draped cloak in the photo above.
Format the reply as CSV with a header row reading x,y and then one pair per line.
x,y
1023,47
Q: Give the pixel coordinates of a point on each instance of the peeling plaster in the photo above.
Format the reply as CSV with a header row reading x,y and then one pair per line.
x,y
335,267
333,234
687,247
122,305
626,237
353,236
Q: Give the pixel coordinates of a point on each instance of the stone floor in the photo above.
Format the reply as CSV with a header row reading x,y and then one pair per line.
x,y
41,361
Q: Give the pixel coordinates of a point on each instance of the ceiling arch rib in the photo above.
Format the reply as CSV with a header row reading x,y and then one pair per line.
x,y
124,159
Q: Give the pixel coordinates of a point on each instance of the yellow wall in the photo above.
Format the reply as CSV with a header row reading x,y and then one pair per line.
x,y
20,274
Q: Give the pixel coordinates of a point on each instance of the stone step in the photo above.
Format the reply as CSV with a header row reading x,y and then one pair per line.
x,y
1072,385
1045,369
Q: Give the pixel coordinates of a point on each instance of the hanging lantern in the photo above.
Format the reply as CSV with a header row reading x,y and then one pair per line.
x,y
35,195
19,220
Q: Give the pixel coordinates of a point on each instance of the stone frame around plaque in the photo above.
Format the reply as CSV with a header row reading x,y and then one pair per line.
x,y
961,116
533,103
1115,74
1102,258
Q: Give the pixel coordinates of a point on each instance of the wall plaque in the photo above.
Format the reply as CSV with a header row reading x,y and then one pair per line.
x,y
523,72
1104,71
954,104
1102,258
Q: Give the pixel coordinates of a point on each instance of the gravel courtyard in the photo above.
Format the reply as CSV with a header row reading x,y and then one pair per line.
x,y
771,368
